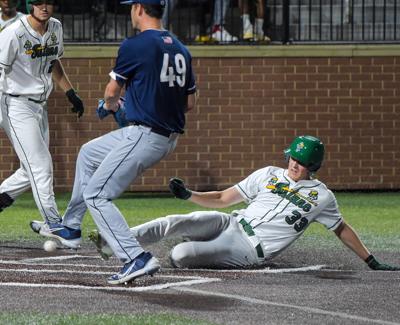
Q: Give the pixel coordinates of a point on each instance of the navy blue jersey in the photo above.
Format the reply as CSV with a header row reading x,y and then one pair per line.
x,y
156,69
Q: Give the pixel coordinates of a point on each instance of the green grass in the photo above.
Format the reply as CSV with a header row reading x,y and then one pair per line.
x,y
373,215
137,209
86,319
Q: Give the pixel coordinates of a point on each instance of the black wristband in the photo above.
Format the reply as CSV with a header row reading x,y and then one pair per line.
x,y
70,93
369,259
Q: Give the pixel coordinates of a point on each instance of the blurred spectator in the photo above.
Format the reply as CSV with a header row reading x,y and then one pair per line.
x,y
169,7
8,13
255,32
99,8
219,32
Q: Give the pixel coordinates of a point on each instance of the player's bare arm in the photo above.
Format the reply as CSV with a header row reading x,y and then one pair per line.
x,y
59,76
191,102
350,238
217,199
213,199
112,95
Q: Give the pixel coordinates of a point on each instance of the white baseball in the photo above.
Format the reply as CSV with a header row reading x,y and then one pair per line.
x,y
50,246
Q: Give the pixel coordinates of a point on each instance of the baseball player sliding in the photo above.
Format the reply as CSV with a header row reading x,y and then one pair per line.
x,y
282,203
30,54
156,71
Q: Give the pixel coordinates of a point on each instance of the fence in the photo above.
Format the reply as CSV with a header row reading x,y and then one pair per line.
x,y
286,21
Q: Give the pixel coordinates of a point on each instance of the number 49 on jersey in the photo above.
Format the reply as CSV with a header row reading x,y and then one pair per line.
x,y
175,73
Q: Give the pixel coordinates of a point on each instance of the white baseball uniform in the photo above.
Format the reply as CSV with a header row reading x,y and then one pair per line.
x,y
26,61
279,211
5,23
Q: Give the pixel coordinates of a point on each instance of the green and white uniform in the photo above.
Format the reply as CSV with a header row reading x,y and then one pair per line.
x,y
5,23
279,211
26,62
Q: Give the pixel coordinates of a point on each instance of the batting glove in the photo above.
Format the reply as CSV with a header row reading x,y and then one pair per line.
x,y
177,187
377,266
75,100
101,112
120,115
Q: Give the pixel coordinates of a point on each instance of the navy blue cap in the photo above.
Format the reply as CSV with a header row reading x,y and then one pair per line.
x,y
145,2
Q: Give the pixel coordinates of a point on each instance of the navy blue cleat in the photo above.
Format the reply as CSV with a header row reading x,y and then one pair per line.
x,y
144,264
68,237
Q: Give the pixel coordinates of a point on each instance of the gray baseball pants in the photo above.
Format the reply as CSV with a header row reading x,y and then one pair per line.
x,y
105,167
212,240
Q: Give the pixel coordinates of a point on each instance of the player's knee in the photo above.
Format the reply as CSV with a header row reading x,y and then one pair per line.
x,y
182,255
83,152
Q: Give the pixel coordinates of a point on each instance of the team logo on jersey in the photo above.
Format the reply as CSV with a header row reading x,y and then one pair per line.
x,y
53,38
272,182
293,196
313,195
300,146
28,45
38,51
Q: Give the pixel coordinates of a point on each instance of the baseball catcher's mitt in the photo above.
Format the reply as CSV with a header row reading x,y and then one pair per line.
x,y
119,115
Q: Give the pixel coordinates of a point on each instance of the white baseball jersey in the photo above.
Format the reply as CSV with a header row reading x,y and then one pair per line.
x,y
280,209
5,23
28,60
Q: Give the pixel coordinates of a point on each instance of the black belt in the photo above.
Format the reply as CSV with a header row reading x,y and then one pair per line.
x,y
31,99
249,230
159,131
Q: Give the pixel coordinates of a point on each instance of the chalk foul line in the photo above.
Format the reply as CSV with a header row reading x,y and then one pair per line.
x,y
277,304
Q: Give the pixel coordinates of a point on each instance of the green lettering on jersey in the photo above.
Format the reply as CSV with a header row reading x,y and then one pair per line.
x,y
283,190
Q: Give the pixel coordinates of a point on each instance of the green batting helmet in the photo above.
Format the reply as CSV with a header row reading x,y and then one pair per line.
x,y
308,151
29,3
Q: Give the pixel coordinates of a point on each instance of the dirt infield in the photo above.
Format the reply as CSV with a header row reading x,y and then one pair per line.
x,y
301,287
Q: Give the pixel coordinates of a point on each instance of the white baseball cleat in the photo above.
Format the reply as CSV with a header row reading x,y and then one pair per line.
x,y
36,225
220,34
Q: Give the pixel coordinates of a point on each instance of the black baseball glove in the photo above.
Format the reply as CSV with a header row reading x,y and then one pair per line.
x,y
75,100
177,187
375,265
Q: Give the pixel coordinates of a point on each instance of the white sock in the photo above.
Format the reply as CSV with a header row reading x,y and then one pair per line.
x,y
246,21
259,23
